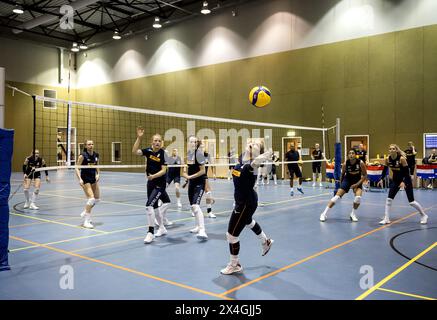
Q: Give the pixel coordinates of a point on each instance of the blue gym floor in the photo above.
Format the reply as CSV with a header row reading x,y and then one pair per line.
x,y
309,259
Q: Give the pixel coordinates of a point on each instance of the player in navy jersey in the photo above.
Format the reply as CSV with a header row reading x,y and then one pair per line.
x,y
195,174
156,169
293,168
174,174
88,180
400,177
30,164
246,201
353,174
317,154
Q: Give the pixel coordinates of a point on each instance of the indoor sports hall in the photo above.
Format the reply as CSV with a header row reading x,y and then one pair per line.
x,y
228,150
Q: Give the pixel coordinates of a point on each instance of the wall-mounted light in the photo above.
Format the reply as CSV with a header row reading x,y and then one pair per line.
x,y
205,9
157,24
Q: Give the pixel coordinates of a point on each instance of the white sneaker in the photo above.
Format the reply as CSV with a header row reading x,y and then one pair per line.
x,y
424,219
84,215
353,217
33,206
149,237
323,217
161,232
195,230
26,205
266,246
87,224
314,184
320,184
385,221
212,215
230,269
167,222
202,235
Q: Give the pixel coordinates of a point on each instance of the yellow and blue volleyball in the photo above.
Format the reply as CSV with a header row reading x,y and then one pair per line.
x,y
260,96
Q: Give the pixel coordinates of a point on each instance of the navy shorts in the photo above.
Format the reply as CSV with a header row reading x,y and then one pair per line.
x,y
294,170
195,192
173,177
347,183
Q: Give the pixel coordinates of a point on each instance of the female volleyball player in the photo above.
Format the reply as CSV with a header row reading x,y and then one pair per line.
x,y
196,184
30,164
353,174
400,177
246,201
88,180
209,199
156,168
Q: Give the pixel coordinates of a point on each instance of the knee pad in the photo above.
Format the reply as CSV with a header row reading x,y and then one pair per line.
x,y
252,224
96,201
26,190
150,210
195,208
231,239
335,199
388,202
91,202
36,191
357,199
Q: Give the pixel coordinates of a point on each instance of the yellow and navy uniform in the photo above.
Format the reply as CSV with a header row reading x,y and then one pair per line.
x,y
352,174
156,187
30,164
400,174
89,175
246,202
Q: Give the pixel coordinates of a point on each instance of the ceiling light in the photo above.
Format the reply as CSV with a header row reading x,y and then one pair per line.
x,y
156,24
116,36
75,48
205,9
83,46
18,9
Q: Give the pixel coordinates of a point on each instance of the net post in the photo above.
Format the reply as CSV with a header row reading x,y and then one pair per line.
x,y
337,168
34,124
68,162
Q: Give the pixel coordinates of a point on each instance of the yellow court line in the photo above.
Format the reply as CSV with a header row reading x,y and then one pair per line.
x,y
56,222
115,266
397,271
268,275
70,218
406,294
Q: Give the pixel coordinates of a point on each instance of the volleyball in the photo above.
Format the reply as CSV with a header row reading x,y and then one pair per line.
x,y
260,96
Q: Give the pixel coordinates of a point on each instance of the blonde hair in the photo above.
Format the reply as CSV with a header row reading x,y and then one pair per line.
x,y
398,150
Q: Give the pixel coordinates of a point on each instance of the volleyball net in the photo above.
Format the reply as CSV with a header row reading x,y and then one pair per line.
x,y
61,128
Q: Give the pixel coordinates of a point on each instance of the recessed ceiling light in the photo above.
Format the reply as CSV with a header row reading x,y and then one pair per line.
x,y
157,24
